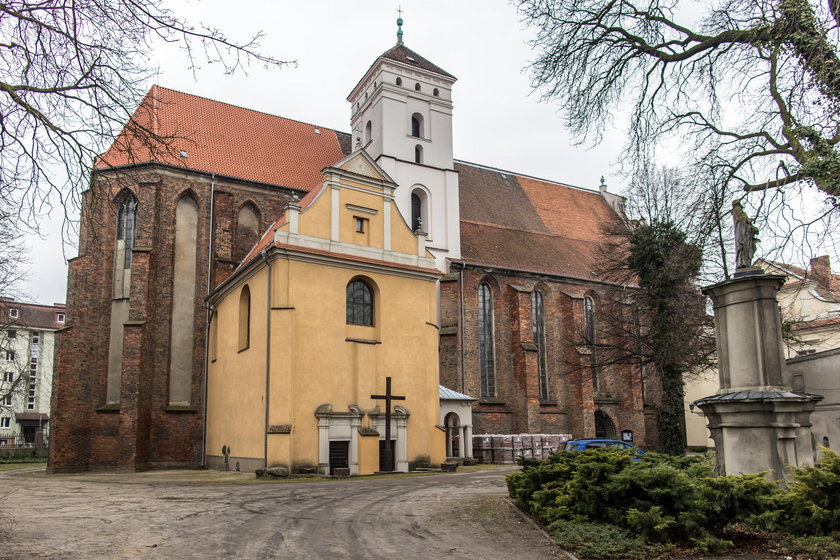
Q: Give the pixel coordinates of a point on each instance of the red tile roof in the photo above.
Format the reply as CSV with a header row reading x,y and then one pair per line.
x,y
521,223
228,140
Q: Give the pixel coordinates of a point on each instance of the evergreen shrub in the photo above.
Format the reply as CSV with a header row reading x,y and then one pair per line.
x,y
658,497
811,503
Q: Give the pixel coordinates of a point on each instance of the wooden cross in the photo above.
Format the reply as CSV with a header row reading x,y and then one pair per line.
x,y
388,397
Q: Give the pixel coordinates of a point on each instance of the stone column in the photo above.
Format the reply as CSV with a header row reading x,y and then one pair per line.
x,y
323,444
756,421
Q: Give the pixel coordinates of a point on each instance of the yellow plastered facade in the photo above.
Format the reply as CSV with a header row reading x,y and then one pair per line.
x,y
299,395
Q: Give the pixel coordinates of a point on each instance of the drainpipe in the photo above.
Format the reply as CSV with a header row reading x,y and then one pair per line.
x,y
209,309
264,255
461,311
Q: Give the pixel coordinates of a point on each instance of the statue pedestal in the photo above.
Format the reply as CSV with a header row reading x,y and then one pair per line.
x,y
755,420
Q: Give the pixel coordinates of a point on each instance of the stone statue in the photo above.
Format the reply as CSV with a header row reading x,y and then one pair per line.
x,y
745,236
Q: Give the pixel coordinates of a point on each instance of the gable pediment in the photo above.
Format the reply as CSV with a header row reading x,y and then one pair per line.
x,y
361,164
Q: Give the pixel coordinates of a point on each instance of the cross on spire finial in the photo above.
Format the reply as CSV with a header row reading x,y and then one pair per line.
x,y
399,26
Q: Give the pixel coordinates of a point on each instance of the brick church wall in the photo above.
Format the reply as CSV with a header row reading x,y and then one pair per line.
x,y
517,408
143,431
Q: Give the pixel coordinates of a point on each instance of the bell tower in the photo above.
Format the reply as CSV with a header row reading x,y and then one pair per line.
x,y
401,114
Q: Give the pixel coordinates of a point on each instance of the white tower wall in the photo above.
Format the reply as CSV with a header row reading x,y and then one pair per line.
x,y
389,108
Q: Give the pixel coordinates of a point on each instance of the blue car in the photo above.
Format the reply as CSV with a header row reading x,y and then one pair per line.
x,y
599,443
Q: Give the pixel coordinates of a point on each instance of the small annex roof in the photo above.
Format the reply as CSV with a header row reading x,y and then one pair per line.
x,y
513,221
214,137
447,394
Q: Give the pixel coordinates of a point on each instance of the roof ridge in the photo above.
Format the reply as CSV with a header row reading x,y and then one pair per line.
x,y
517,174
248,109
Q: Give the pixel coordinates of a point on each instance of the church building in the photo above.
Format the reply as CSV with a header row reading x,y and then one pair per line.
x,y
151,365
334,302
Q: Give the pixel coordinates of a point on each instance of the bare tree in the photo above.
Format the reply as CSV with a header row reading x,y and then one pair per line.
x,y
13,355
72,73
750,89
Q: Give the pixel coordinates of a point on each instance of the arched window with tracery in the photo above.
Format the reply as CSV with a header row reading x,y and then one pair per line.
x,y
486,354
591,334
126,223
538,323
359,304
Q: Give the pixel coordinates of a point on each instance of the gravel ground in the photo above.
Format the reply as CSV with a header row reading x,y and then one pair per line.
x,y
204,514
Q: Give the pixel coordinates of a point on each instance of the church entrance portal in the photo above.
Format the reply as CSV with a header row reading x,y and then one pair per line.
x,y
339,455
383,464
604,427
453,435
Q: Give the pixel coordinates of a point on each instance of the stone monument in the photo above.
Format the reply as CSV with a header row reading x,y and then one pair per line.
x,y
758,423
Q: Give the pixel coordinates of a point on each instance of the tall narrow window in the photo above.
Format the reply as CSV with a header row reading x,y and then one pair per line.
x,y
359,304
538,323
486,356
125,229
244,318
416,211
368,132
418,154
417,125
590,333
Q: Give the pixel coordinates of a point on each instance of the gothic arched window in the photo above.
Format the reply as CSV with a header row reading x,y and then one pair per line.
x,y
590,333
486,356
359,304
126,223
538,323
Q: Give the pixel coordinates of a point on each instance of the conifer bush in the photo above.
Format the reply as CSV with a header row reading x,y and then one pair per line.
x,y
658,497
811,503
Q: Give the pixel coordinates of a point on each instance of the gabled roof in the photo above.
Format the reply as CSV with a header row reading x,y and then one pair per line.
x,y
403,54
522,223
227,140
447,394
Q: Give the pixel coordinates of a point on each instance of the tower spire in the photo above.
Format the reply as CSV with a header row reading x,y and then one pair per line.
x,y
399,26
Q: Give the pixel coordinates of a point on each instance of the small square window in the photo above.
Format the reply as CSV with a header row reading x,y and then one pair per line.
x,y
5,422
11,334
361,225
10,355
14,312
7,400
59,317
8,376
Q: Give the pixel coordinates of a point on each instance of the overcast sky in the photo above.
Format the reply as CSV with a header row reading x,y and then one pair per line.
x,y
497,121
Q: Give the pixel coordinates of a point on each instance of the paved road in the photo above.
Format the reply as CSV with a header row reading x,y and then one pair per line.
x,y
462,515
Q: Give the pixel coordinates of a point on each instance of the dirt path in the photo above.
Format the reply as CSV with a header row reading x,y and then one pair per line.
x,y
206,515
